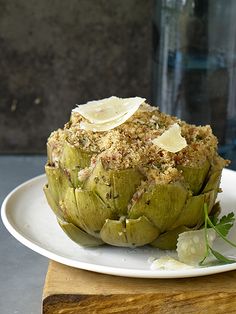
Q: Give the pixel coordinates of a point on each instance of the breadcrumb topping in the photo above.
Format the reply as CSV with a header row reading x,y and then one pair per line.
x,y
130,144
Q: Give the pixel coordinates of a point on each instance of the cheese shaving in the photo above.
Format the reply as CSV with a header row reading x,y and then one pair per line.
x,y
168,263
171,140
108,113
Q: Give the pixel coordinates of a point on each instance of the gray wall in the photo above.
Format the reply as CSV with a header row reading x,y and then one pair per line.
x,y
56,53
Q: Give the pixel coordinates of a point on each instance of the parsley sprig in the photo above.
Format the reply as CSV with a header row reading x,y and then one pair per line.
x,y
222,228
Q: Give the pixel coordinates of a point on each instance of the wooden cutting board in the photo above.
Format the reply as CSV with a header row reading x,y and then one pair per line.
x,y
69,290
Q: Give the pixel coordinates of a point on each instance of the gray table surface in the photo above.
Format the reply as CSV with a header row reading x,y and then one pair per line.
x,y
22,271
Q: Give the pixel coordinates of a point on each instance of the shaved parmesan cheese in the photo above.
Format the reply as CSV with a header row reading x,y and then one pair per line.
x,y
191,245
109,109
101,127
168,263
171,140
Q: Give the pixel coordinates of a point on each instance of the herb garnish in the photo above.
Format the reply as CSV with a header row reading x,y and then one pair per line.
x,y
222,228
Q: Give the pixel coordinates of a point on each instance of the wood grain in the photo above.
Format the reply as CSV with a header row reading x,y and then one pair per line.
x,y
68,290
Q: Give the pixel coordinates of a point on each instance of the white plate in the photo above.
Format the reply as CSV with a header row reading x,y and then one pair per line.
x,y
29,219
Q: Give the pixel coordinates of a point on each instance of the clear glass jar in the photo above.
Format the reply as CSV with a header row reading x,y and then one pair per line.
x,y
194,65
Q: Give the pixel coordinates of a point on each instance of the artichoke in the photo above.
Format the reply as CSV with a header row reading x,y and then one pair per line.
x,y
117,187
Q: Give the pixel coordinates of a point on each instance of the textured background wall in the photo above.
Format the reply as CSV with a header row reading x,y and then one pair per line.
x,y
54,54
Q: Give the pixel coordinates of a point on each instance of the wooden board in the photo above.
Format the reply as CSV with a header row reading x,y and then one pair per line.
x,y
69,290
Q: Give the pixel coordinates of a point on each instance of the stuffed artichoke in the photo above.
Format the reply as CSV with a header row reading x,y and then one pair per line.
x,y
131,183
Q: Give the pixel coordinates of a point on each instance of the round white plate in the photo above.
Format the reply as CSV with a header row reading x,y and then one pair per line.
x,y
29,219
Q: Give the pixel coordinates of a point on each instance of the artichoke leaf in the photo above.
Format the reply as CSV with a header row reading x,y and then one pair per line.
x,y
125,183
161,204
195,176
72,160
65,207
113,232
50,154
214,176
115,188
69,207
91,212
73,173
73,156
79,236
58,182
129,232
168,240
216,210
140,231
192,213
51,202
100,182
213,182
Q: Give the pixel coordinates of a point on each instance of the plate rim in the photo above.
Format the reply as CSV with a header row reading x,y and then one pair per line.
x,y
117,271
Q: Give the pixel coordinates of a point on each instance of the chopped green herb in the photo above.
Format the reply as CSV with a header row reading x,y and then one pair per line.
x,y
225,224
221,257
222,228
